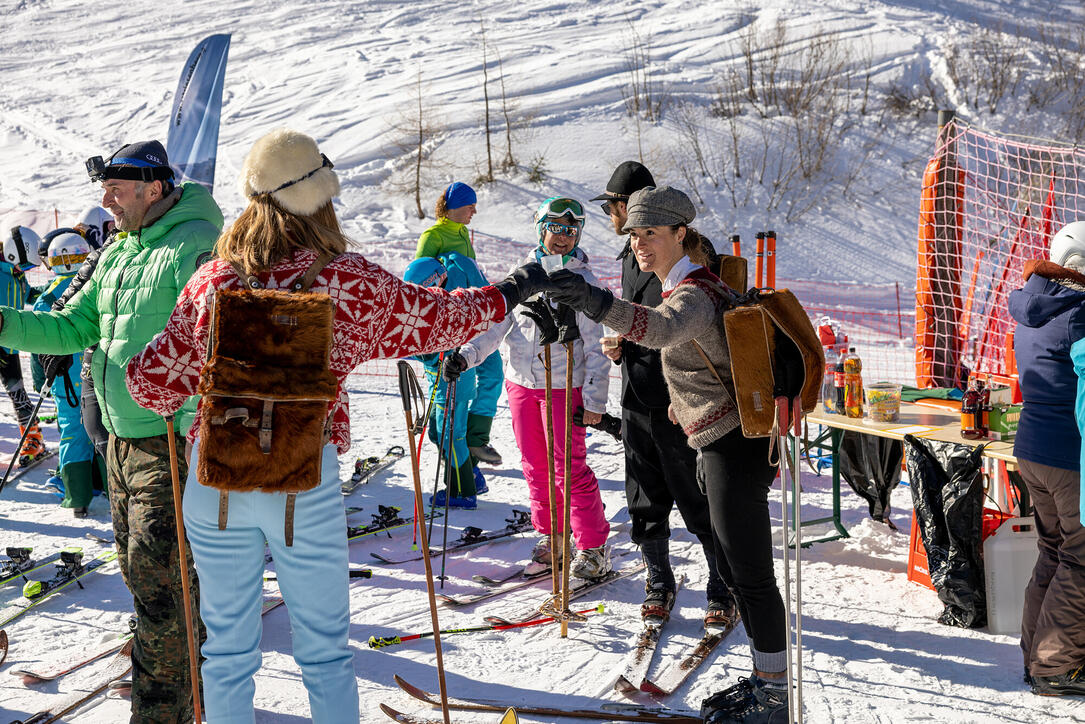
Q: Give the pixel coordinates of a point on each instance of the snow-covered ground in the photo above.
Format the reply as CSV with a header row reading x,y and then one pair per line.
x,y
78,79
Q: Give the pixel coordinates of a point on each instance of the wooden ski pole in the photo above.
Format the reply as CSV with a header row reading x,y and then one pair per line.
x,y
182,551
551,474
566,531
405,372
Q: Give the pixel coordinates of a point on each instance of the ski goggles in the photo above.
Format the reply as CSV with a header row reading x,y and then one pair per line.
x,y
71,260
561,206
557,229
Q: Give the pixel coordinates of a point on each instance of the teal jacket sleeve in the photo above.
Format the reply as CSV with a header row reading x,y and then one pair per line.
x,y
68,331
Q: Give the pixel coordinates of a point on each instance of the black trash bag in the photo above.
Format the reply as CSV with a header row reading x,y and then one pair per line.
x,y
871,465
947,492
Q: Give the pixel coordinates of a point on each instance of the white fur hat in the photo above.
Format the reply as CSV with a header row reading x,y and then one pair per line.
x,y
289,166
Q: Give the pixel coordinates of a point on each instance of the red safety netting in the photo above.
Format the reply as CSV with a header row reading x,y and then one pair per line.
x,y
989,204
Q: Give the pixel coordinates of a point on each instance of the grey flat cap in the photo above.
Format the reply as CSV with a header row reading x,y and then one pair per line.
x,y
662,206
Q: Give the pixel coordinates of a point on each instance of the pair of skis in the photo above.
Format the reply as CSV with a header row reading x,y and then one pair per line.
x,y
387,518
577,589
67,663
608,711
366,468
118,668
471,537
70,569
20,563
634,675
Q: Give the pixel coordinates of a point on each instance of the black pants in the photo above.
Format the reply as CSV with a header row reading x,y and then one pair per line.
x,y
737,477
661,472
11,371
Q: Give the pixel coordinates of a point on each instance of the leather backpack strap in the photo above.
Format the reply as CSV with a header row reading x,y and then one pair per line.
x,y
306,281
224,507
708,363
288,524
249,280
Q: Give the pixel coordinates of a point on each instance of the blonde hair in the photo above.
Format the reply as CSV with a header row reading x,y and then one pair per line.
x,y
440,210
265,233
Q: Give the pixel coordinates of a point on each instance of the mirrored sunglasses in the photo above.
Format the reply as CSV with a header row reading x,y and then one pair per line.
x,y
563,230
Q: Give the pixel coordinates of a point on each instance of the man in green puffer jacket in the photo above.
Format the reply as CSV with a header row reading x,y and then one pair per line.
x,y
165,233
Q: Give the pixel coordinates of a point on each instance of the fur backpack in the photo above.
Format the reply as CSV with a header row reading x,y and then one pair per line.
x,y
266,390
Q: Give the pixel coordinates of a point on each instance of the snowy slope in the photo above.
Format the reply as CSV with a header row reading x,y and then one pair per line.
x,y
79,79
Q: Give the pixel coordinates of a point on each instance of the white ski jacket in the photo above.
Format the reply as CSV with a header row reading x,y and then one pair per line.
x,y
523,354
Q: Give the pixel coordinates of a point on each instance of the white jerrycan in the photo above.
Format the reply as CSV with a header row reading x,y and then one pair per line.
x,y
1008,559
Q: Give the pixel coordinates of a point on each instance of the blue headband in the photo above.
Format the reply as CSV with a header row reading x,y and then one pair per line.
x,y
458,195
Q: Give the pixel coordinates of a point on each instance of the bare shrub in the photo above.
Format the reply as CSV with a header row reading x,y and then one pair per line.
x,y
415,131
537,170
644,94
986,66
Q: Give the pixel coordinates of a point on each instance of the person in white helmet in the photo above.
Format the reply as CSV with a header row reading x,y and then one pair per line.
x,y
80,471
20,254
1050,314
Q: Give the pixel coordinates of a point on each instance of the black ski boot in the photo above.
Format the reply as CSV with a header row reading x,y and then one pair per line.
x,y
750,701
1072,683
658,602
721,614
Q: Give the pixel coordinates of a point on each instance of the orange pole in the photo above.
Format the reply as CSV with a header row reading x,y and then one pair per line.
x,y
770,252
736,246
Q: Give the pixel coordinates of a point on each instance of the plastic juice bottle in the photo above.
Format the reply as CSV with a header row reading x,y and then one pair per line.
x,y
971,413
853,384
984,411
828,385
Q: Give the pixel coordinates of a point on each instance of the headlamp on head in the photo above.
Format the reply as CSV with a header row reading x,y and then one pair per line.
x,y
142,161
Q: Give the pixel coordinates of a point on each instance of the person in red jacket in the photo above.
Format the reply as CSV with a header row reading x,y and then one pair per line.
x,y
288,223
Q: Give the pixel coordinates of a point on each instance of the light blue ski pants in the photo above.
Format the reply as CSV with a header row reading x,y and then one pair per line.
x,y
313,580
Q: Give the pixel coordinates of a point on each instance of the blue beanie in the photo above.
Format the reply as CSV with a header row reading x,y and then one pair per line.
x,y
458,195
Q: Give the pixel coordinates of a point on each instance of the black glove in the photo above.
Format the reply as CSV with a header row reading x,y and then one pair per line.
x,y
609,424
455,364
527,281
539,312
572,289
565,317
55,365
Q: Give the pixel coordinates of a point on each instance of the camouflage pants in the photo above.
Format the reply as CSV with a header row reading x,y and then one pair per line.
x,y
141,498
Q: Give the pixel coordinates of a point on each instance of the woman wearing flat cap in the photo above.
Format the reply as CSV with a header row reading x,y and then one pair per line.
x,y
734,470
288,225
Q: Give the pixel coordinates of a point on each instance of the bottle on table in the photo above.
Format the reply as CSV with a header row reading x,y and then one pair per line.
x,y
972,412
838,386
828,385
853,384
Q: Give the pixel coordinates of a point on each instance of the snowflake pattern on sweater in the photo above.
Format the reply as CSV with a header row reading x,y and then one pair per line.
x,y
377,316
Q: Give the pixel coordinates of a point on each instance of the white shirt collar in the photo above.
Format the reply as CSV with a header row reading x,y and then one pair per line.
x,y
678,272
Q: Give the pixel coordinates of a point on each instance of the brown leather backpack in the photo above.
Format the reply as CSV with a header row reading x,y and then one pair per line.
x,y
266,390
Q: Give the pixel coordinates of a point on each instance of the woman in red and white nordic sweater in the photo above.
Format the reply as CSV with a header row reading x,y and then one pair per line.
x,y
289,222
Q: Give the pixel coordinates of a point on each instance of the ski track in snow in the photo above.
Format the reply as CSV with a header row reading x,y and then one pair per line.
x,y
80,79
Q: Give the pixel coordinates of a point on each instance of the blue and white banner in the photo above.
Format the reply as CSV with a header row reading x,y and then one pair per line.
x,y
192,143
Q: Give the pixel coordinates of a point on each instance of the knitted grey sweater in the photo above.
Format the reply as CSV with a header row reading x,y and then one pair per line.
x,y
691,311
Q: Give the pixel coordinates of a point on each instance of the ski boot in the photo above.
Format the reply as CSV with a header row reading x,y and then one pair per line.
x,y
33,446
486,454
721,614
751,701
481,488
543,551
658,602
467,502
591,563
80,512
1072,683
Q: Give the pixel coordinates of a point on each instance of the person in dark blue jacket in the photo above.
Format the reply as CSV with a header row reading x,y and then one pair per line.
x,y
1050,314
